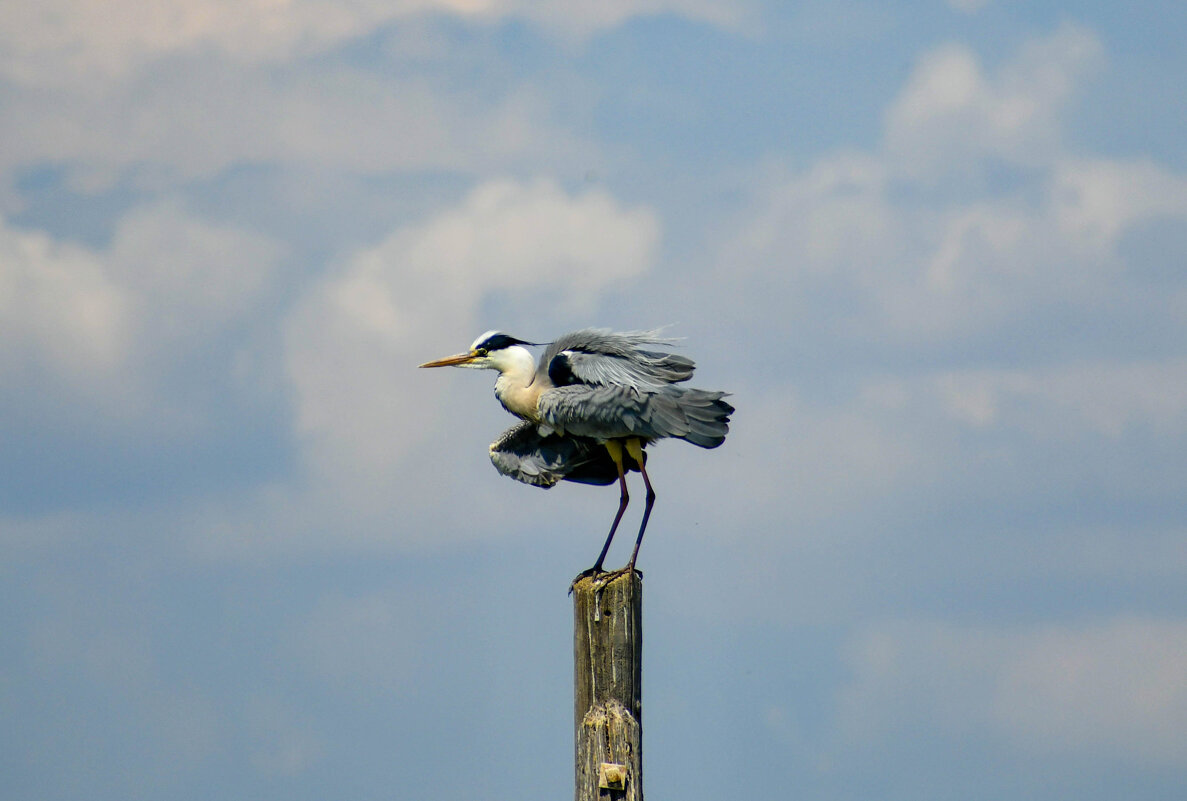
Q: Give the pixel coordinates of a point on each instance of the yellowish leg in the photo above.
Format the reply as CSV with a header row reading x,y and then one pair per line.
x,y
615,449
634,447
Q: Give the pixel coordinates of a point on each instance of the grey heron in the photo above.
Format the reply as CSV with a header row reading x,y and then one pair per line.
x,y
590,407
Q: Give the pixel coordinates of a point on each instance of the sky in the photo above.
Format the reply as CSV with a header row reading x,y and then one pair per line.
x,y
937,252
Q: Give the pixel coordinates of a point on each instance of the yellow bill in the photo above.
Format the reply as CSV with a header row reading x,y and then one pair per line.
x,y
451,361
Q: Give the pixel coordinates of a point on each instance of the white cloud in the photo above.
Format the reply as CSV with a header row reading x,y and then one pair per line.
x,y
833,216
54,42
59,307
919,241
579,19
854,494
189,276
111,322
841,451
1112,687
1109,687
951,113
362,411
196,118
1099,397
892,437
58,41
165,92
1094,201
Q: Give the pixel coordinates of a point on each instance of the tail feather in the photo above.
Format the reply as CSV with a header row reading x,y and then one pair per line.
x,y
708,417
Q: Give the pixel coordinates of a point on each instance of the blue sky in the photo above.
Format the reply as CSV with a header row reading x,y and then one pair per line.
x,y
935,249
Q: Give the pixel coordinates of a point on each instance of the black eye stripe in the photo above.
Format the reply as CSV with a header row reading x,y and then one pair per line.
x,y
498,342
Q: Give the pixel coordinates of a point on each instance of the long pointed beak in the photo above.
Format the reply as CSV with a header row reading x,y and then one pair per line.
x,y
452,361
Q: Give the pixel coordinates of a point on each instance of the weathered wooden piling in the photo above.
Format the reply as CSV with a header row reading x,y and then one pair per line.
x,y
608,680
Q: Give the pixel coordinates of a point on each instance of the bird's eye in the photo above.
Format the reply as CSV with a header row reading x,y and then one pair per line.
x,y
480,352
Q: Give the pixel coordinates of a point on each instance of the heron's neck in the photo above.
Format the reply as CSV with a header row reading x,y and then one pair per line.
x,y
516,387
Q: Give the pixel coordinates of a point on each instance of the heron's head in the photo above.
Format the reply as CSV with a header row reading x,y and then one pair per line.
x,y
493,350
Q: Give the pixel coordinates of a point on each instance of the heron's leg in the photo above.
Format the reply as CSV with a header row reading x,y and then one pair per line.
x,y
615,449
635,448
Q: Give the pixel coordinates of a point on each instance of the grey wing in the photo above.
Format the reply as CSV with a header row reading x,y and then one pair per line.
x,y
607,412
605,358
522,453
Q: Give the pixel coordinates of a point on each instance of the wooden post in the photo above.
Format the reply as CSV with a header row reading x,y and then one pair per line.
x,y
608,702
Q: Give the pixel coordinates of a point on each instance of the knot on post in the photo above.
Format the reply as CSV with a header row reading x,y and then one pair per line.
x,y
612,777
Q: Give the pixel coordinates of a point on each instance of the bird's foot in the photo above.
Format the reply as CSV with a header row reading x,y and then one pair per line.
x,y
593,572
605,577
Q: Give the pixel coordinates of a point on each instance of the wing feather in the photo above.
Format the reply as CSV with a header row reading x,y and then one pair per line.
x,y
522,453
607,385
598,356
